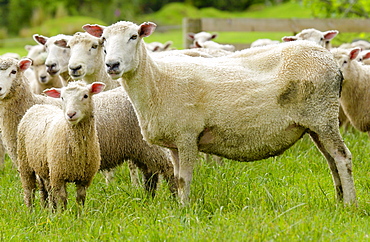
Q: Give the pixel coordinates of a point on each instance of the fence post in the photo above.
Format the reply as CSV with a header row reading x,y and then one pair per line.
x,y
190,25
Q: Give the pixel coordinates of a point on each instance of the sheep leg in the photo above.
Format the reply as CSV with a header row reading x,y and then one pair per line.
x,y
43,184
340,162
28,179
134,174
81,193
188,153
59,195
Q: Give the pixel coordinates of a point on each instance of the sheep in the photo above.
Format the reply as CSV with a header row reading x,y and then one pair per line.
x,y
87,62
15,99
363,44
86,59
263,42
11,55
213,45
159,47
201,37
314,35
60,145
355,94
247,106
118,129
57,59
364,57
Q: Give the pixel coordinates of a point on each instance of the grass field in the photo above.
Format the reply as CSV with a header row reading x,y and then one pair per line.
x,y
287,198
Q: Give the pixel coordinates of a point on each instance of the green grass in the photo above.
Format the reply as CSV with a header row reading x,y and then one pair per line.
x,y
287,198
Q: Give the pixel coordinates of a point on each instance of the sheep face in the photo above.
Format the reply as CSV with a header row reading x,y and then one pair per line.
x,y
76,99
344,59
321,38
121,41
10,70
41,74
57,58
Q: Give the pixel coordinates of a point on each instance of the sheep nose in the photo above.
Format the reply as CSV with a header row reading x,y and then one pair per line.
x,y
112,66
71,115
50,66
75,68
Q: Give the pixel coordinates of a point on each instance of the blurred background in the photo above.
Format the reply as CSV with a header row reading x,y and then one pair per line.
x,y
20,19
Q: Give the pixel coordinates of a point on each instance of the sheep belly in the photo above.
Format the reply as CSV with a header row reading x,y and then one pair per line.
x,y
256,145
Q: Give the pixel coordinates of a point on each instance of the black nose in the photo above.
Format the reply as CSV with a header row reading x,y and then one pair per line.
x,y
50,66
75,68
112,66
71,115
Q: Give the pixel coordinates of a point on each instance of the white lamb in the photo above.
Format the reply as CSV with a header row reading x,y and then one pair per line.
x,y
213,45
117,125
57,59
60,145
201,37
355,95
314,35
247,106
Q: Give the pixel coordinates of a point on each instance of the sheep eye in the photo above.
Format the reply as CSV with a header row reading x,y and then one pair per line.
x,y
13,72
345,62
94,46
62,98
134,37
86,96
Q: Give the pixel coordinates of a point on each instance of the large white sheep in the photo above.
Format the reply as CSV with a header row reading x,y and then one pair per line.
x,y
314,35
57,59
355,95
60,145
118,129
247,106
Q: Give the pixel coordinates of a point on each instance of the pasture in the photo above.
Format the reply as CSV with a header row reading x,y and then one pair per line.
x,y
285,198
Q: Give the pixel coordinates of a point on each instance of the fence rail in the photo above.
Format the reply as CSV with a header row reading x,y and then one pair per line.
x,y
293,25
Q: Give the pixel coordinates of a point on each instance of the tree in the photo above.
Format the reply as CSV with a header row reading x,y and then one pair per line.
x,y
339,8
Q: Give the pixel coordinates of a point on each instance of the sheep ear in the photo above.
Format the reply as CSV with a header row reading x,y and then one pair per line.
x,y
40,39
197,45
328,35
96,87
354,53
61,43
214,36
167,45
24,64
52,92
289,38
94,29
146,29
191,36
366,55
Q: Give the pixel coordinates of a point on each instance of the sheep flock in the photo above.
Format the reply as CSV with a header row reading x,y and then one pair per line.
x,y
89,102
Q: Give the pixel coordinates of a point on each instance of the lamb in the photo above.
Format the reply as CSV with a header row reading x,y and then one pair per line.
x,y
201,37
86,59
247,106
355,94
314,35
364,57
159,47
60,145
57,59
121,140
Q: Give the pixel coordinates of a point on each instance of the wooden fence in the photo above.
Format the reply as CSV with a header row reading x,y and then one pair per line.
x,y
293,25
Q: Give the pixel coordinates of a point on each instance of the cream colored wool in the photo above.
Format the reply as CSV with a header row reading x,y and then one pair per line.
x,y
321,38
119,141
355,96
247,106
59,149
